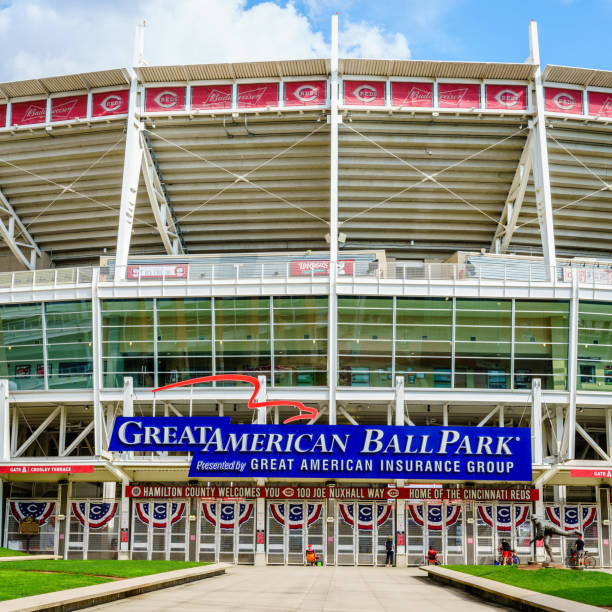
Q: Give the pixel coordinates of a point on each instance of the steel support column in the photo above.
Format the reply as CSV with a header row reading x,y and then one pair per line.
x,y
399,400
536,421
5,422
568,443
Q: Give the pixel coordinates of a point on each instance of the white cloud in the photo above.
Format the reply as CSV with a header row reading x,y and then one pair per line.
x,y
47,38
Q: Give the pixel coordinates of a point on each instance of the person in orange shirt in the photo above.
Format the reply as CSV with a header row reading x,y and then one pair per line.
x,y
311,555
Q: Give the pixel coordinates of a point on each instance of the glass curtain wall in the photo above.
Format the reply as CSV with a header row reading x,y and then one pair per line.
x,y
595,346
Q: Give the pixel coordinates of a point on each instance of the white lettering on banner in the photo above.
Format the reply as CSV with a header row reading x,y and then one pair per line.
x,y
216,97
564,101
306,93
252,96
63,110
365,93
453,96
111,102
600,276
35,111
166,99
417,94
508,98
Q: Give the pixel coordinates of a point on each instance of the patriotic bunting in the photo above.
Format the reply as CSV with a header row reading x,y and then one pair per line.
x,y
100,513
365,514
295,520
39,511
227,515
435,515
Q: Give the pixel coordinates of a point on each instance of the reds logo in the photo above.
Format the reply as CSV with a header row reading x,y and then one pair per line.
x,y
453,96
416,95
508,98
288,492
218,97
166,99
392,492
111,103
306,93
366,93
564,100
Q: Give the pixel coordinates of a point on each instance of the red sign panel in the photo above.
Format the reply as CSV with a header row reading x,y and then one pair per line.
x,y
507,97
110,103
211,96
165,99
591,473
27,113
305,93
559,100
46,469
72,107
2,115
159,271
310,267
459,95
257,95
364,93
412,94
600,103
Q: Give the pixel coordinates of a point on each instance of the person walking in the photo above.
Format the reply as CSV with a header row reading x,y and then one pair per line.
x,y
579,550
389,548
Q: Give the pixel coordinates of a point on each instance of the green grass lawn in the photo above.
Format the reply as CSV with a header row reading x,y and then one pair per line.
x,y
23,578
7,552
587,587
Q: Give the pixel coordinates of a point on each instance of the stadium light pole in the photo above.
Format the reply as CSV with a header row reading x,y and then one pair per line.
x,y
332,330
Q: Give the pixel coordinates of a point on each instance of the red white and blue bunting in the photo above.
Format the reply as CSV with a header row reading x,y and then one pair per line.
x,y
227,514
39,511
100,513
435,515
160,512
295,520
571,515
503,514
365,514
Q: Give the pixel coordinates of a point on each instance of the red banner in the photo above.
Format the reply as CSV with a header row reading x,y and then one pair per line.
x,y
322,492
459,95
110,103
257,95
304,93
558,100
3,115
507,97
309,267
600,103
72,107
211,96
364,93
46,469
27,113
165,99
412,94
591,473
158,271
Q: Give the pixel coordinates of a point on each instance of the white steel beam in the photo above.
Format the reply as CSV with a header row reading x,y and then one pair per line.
x,y
16,236
609,431
568,442
37,433
536,421
592,443
129,187
162,210
541,175
78,440
5,422
347,415
399,400
514,200
493,412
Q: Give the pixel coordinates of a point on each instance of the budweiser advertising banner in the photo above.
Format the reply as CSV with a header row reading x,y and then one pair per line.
x,y
64,109
257,95
412,94
314,267
205,97
507,97
459,95
304,93
600,103
3,115
223,449
165,99
560,100
27,113
364,93
110,103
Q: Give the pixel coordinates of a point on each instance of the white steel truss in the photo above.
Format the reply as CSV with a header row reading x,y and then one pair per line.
x,y
162,210
16,236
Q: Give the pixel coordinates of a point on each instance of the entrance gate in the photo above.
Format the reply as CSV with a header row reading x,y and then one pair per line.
x,y
362,529
291,528
41,510
497,522
92,529
226,532
440,525
160,530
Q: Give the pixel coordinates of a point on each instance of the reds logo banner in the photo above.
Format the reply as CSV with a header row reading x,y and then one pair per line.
x,y
558,100
507,97
305,93
459,95
257,95
64,109
165,99
600,103
412,94
27,113
205,97
364,93
110,103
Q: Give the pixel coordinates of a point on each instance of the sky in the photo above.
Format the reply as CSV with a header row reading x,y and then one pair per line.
x,y
41,38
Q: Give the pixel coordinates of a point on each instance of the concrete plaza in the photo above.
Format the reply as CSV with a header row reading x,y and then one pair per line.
x,y
329,589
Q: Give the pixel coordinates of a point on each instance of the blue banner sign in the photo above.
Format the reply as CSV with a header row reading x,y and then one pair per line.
x,y
332,451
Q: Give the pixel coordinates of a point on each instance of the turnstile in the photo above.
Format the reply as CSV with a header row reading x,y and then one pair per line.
x,y
92,529
497,522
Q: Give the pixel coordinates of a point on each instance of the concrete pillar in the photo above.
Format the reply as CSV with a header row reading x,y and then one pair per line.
x,y
606,530
5,422
260,548
192,507
124,526
401,560
471,527
64,493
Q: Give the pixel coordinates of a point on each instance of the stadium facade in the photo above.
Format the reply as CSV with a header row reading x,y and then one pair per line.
x,y
394,243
